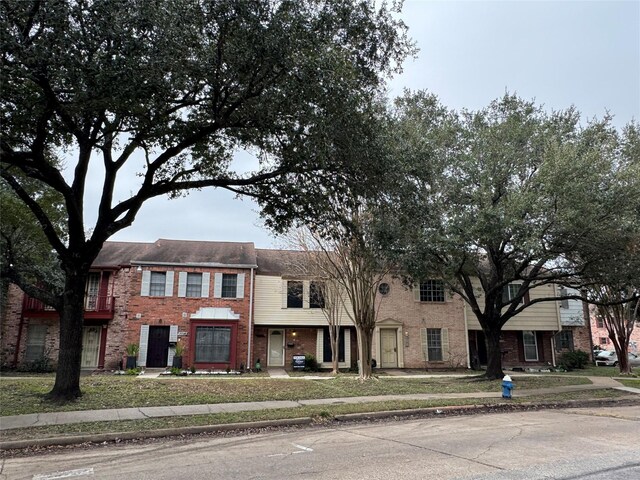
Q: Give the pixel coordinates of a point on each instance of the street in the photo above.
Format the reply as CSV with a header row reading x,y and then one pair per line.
x,y
602,443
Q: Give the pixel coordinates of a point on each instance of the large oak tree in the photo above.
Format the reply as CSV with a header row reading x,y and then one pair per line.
x,y
177,87
499,201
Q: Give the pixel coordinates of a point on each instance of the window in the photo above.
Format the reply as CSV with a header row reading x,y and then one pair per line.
x,y
294,294
326,345
432,291
157,285
604,340
530,346
213,344
194,285
565,302
434,345
383,288
35,343
229,285
564,340
316,295
510,292
599,322
91,292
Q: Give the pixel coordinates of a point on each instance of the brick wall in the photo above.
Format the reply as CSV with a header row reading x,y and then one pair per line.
x,y
174,310
599,333
399,305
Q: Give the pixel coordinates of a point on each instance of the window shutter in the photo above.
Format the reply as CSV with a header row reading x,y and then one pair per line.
x,y
527,298
182,284
444,338
144,341
240,286
146,283
423,341
347,346
217,285
205,284
416,292
320,345
168,287
173,333
306,288
284,294
170,354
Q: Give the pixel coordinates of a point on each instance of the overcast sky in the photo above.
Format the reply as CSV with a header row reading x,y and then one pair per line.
x,y
560,53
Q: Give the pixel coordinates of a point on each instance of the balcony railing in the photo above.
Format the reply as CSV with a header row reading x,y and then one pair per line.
x,y
93,303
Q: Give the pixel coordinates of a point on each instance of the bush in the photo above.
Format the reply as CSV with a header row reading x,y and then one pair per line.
x,y
574,360
41,365
310,363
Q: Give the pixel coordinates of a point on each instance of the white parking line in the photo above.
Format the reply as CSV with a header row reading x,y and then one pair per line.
x,y
306,449
66,474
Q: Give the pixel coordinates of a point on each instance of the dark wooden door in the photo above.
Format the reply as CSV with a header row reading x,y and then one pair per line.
x,y
158,348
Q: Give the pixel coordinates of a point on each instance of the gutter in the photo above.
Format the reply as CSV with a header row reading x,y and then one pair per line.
x,y
193,264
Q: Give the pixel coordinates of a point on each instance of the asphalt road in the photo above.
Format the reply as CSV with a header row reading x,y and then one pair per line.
x,y
589,444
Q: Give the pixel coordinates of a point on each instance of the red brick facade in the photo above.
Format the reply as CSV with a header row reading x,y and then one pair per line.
x,y
173,310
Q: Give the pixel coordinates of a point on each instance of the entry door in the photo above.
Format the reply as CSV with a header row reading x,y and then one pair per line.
x,y
158,349
389,348
276,348
90,346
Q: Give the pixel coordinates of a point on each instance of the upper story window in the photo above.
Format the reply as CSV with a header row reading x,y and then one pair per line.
x,y
294,294
228,285
564,303
157,284
432,291
194,285
510,292
316,295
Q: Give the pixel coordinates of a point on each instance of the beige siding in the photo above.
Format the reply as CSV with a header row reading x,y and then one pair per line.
x,y
268,308
540,316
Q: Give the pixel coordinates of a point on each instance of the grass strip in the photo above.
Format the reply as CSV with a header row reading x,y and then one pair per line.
x,y
22,396
316,411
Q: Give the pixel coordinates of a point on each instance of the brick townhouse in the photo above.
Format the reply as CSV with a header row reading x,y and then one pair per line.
x,y
229,305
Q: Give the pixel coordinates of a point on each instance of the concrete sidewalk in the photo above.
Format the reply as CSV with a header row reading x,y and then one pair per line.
x,y
110,415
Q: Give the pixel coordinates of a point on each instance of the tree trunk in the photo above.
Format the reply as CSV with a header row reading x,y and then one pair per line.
x,y
334,338
67,384
494,354
365,341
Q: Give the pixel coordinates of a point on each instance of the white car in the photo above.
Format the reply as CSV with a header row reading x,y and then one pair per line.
x,y
609,358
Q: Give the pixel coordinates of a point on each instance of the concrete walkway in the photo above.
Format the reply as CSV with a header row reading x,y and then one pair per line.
x,y
110,415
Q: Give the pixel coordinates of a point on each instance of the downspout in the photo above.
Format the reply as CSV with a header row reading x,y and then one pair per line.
x,y
466,334
250,322
553,337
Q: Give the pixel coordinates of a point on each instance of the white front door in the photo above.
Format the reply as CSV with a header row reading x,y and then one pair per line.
x,y
90,346
276,348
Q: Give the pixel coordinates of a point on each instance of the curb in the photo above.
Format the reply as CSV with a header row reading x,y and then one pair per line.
x,y
293,422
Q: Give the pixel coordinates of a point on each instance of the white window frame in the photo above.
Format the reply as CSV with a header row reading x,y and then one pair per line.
x,y
431,289
193,289
511,290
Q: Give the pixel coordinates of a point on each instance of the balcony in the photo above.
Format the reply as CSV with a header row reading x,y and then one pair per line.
x,y
95,306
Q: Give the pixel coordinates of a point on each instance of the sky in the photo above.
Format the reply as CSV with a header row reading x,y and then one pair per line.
x,y
558,53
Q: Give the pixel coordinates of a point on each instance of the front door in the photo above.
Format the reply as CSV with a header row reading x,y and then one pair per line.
x,y
90,346
158,349
276,348
389,348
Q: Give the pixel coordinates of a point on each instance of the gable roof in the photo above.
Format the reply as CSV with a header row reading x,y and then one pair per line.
x,y
178,252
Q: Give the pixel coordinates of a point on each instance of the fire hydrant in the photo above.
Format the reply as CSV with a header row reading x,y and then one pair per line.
x,y
507,386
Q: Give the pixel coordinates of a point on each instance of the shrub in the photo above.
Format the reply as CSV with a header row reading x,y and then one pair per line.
x,y
310,363
574,360
133,371
132,349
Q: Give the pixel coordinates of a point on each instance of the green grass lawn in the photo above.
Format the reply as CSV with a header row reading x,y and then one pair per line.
x,y
593,371
630,382
25,395
318,412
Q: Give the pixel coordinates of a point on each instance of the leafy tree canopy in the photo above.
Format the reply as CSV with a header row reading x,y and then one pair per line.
x,y
507,194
